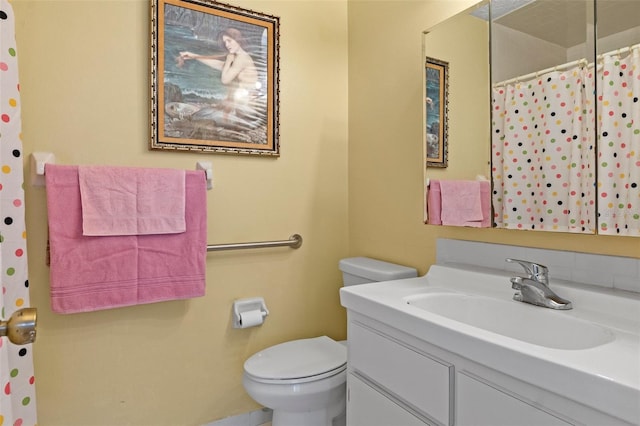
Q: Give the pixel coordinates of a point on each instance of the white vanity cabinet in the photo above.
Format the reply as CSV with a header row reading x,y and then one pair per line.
x,y
396,379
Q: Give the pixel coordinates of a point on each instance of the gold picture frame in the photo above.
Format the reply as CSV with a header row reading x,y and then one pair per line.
x,y
214,78
436,106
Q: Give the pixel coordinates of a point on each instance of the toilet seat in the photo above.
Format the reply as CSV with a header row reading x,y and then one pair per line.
x,y
298,361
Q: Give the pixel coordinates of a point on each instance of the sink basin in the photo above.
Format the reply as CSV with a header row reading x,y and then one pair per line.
x,y
531,324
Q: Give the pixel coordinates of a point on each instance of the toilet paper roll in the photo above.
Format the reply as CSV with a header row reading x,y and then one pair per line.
x,y
251,318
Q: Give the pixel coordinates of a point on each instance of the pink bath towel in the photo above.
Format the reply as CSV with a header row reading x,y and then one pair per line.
x,y
131,200
91,273
461,203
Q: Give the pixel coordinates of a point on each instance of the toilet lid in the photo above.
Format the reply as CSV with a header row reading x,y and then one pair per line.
x,y
297,359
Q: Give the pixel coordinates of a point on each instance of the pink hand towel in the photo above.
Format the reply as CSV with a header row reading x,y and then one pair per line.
x,y
434,203
461,203
131,201
89,273
485,202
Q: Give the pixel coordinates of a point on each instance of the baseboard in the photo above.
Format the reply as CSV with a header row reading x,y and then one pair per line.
x,y
253,418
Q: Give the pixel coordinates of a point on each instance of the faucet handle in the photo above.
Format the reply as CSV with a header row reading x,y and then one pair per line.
x,y
536,271
516,283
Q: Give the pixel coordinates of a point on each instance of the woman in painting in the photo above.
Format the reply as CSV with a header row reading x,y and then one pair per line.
x,y
238,73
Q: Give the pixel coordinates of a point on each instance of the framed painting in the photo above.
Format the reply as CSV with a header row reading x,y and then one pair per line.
x,y
214,78
436,89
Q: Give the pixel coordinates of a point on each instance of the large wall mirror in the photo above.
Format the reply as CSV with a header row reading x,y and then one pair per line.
x,y
564,115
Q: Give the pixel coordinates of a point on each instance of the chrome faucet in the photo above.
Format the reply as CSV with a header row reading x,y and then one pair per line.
x,y
534,288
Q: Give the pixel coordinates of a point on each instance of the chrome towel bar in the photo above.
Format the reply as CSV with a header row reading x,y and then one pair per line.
x,y
294,241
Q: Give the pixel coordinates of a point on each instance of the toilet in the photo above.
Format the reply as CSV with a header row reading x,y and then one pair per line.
x,y
304,381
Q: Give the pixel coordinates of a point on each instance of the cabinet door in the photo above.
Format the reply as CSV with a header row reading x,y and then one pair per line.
x,y
480,404
368,407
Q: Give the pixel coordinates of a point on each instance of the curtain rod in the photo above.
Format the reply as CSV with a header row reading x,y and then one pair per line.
x,y
562,67
537,74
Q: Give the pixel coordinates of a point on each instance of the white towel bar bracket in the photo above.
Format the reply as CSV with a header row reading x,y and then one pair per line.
x,y
38,161
208,171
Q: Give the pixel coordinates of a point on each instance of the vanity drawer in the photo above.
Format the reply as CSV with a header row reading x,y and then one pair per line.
x,y
478,400
414,377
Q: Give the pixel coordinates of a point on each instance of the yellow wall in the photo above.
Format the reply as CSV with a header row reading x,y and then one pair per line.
x,y
385,143
84,76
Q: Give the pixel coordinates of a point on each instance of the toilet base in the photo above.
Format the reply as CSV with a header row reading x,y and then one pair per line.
x,y
316,403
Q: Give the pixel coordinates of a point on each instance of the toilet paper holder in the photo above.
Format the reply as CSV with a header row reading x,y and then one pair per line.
x,y
247,305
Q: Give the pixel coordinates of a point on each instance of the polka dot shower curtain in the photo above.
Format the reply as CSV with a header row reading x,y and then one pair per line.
x,y
543,152
17,390
619,143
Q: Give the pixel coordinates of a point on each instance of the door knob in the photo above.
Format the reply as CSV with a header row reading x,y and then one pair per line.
x,y
20,328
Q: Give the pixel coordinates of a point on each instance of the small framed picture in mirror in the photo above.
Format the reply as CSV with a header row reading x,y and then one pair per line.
x,y
436,88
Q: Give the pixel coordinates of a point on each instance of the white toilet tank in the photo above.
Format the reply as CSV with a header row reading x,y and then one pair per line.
x,y
361,270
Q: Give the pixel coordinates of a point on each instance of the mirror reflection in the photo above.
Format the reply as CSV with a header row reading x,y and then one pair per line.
x,y
565,116
543,116
565,140
618,159
456,116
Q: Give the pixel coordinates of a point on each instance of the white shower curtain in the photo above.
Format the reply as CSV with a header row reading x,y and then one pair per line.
x,y
17,387
619,143
543,152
